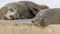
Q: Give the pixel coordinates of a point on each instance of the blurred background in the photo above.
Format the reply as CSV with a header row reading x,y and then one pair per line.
x,y
50,3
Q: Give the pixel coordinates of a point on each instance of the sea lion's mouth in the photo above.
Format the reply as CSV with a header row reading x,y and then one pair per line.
x,y
12,18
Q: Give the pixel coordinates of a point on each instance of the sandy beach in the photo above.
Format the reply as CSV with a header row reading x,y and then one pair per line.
x,y
13,28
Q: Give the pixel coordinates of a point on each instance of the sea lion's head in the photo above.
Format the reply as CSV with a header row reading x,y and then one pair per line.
x,y
9,13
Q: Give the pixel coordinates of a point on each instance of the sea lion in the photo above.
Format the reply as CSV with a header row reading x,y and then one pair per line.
x,y
47,16
20,10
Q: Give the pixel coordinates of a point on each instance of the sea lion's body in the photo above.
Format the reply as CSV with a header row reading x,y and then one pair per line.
x,y
21,10
48,16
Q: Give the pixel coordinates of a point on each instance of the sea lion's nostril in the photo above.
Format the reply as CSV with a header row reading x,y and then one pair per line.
x,y
11,16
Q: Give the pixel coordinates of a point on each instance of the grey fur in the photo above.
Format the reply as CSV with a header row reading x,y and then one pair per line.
x,y
46,17
22,10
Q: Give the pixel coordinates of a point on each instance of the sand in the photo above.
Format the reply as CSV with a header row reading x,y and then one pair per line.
x,y
9,28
